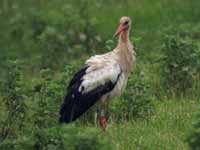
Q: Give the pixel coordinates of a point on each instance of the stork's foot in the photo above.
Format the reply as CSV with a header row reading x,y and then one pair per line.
x,y
102,123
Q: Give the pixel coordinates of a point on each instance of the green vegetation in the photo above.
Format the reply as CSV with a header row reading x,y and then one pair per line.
x,y
45,42
168,128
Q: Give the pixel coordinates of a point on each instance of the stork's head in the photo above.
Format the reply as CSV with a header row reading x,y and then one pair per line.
x,y
124,26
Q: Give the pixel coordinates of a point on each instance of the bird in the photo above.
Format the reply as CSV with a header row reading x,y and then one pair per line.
x,y
102,78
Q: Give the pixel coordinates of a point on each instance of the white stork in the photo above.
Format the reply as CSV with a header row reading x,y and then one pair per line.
x,y
102,78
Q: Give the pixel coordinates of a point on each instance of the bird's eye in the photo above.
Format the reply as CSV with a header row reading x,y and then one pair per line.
x,y
125,23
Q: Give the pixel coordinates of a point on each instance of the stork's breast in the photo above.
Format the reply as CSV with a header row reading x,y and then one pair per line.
x,y
119,87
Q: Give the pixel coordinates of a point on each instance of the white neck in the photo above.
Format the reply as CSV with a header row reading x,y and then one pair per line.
x,y
124,40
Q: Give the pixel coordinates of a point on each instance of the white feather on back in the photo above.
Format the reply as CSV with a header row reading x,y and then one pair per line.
x,y
102,68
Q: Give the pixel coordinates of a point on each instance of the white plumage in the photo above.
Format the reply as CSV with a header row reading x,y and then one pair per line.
x,y
99,72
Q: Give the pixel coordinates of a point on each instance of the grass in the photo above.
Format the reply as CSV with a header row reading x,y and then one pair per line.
x,y
168,129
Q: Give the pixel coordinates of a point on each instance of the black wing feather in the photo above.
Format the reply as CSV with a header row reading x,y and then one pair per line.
x,y
78,76
76,103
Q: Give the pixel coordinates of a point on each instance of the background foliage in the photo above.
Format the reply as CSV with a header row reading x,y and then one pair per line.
x,y
45,42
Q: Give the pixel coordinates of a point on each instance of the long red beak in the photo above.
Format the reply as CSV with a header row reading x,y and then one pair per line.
x,y
119,30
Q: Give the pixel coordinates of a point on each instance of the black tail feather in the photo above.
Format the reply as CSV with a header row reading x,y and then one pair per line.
x,y
67,108
66,111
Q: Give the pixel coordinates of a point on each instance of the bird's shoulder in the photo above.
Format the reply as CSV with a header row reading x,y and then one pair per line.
x,y
101,61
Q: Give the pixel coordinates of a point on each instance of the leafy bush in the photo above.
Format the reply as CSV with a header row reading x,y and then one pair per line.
x,y
194,137
14,96
66,138
47,95
180,64
47,34
136,102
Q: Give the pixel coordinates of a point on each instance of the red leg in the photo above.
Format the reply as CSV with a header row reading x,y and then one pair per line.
x,y
102,121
